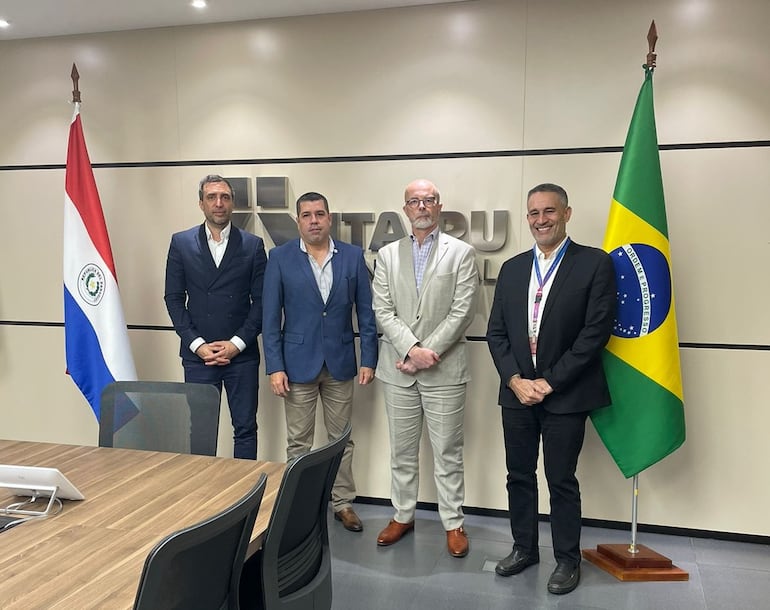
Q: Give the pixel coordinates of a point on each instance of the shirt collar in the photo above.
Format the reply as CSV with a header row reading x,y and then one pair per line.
x,y
433,234
223,234
303,247
543,257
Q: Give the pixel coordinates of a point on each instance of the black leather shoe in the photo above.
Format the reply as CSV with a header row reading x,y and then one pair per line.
x,y
515,563
564,579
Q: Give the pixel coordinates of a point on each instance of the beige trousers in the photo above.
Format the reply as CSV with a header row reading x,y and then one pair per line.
x,y
442,409
337,402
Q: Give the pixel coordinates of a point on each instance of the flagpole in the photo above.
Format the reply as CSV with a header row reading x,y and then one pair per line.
x,y
636,562
652,39
634,507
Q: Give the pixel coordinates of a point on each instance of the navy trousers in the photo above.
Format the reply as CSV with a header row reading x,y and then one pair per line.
x,y
241,382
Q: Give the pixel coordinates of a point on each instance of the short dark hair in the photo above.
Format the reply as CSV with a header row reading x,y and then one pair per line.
x,y
548,187
312,196
214,178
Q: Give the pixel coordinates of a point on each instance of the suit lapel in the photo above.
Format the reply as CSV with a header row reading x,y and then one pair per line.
x,y
439,249
208,267
232,249
519,292
406,259
337,273
303,262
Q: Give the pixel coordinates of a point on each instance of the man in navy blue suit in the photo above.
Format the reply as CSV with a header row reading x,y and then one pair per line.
x,y
311,286
214,276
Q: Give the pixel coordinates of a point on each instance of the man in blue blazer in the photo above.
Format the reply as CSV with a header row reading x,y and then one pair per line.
x,y
551,317
311,286
214,275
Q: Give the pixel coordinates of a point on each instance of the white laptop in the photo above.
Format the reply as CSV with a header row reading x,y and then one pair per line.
x,y
38,480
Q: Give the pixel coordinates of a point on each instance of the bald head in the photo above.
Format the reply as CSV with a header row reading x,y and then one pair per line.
x,y
421,184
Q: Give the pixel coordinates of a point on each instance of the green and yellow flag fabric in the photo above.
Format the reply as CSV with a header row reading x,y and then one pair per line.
x,y
645,422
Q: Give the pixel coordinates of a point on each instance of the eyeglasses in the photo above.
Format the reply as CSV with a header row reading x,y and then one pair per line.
x,y
428,202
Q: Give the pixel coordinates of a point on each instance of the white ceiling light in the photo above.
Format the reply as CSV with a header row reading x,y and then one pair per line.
x,y
4,23
198,4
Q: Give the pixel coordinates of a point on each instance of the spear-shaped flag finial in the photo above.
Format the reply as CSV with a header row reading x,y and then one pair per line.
x,y
75,91
652,38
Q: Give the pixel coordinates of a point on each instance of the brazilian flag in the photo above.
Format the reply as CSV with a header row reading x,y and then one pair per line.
x,y
646,419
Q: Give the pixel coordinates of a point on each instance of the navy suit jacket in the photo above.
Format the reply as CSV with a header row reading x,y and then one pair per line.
x,y
300,331
575,326
212,302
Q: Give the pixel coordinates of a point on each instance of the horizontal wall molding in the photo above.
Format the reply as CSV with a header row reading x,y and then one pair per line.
x,y
483,154
470,338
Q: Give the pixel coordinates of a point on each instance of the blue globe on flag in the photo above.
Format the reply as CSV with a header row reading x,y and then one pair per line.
x,y
644,290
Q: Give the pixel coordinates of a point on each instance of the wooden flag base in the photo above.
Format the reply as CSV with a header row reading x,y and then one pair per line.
x,y
644,566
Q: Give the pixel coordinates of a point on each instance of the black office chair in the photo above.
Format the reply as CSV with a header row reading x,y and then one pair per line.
x,y
200,566
160,416
292,571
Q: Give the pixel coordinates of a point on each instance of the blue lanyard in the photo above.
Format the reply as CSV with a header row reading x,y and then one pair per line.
x,y
542,281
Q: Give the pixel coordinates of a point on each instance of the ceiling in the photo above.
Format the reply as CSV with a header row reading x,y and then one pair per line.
x,y
40,18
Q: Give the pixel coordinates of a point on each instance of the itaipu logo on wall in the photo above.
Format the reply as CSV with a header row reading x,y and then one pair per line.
x,y
368,230
644,290
91,284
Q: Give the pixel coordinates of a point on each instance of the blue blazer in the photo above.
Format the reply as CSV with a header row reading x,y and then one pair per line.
x,y
212,302
301,332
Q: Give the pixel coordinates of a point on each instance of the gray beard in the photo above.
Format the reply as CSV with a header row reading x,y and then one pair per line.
x,y
423,223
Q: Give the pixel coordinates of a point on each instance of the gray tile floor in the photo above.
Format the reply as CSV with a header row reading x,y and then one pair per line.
x,y
418,574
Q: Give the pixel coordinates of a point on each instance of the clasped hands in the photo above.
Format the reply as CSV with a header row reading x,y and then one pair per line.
x,y
217,353
418,359
530,391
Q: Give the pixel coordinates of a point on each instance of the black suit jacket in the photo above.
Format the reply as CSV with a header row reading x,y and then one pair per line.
x,y
575,326
212,302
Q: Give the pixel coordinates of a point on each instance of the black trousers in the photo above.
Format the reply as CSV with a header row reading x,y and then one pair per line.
x,y
562,441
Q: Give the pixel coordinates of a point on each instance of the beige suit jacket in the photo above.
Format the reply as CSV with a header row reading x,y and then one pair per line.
x,y
436,318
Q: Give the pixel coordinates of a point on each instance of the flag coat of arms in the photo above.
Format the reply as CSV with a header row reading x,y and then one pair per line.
x,y
645,422
96,338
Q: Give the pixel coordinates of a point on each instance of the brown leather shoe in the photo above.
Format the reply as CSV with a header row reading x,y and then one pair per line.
x,y
394,532
457,542
350,520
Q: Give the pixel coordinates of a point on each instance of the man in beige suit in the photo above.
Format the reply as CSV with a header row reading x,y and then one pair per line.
x,y
423,296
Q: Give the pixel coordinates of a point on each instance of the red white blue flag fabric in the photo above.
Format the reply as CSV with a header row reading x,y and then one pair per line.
x,y
96,338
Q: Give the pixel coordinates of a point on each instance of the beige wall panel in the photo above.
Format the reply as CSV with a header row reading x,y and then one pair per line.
x,y
127,81
714,71
30,251
396,81
39,401
583,70
718,223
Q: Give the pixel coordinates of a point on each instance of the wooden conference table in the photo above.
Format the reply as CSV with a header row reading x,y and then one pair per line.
x,y
91,554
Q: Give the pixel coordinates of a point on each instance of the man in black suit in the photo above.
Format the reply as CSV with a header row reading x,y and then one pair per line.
x,y
551,317
214,275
